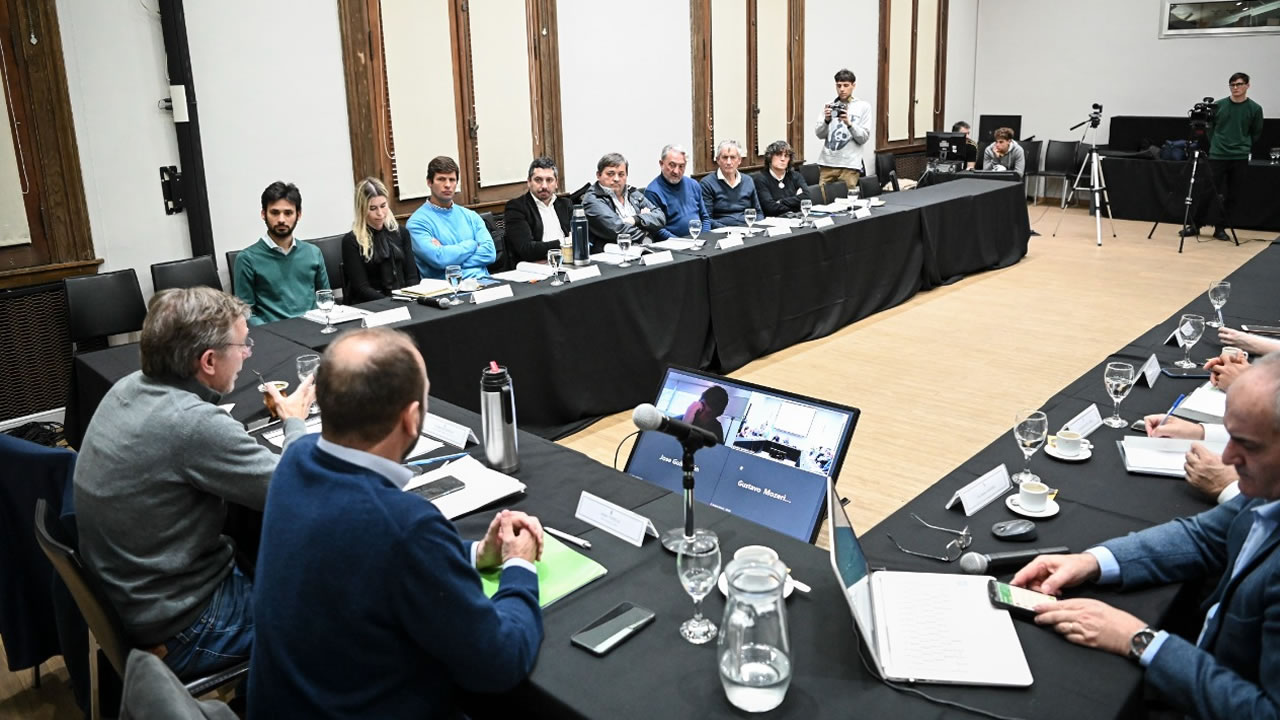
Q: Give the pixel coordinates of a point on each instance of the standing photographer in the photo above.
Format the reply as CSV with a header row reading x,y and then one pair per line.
x,y
1237,125
844,128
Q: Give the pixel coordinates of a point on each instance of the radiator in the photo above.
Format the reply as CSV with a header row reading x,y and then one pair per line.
x,y
35,350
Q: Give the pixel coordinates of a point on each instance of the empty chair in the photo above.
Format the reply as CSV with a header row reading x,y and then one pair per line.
x,y
887,170
331,248
101,305
815,194
809,171
835,190
1060,162
498,232
1031,156
231,269
192,272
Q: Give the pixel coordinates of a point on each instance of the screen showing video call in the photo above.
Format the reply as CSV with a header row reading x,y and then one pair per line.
x,y
777,454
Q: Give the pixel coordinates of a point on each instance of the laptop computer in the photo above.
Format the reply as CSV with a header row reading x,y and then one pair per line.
x,y
778,451
925,627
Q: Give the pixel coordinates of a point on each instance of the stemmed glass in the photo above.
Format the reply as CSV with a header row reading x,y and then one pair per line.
x,y
555,258
1218,294
695,229
1118,378
453,274
1275,156
1029,428
750,216
1190,328
805,206
698,565
624,244
324,301
307,366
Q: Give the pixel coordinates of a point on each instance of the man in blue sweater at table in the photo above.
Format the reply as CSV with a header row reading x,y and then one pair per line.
x,y
446,234
368,603
728,192
679,197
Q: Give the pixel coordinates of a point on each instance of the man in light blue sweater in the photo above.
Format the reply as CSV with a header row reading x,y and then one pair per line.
x,y
446,234
679,197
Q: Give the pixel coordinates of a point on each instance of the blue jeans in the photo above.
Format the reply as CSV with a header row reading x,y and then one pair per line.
x,y
222,636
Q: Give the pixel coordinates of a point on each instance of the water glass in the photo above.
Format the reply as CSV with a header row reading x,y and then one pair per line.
x,y
805,206
1030,427
1218,294
624,244
750,216
698,565
453,274
324,301
307,366
555,258
1190,328
1275,156
1118,377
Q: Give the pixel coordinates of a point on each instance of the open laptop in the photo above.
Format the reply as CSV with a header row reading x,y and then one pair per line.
x,y
777,454
925,627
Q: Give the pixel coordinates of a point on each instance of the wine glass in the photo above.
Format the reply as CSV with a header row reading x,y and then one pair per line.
x,y
1190,328
698,565
750,216
805,206
1218,294
307,366
1275,156
1118,378
624,244
453,273
324,301
695,229
555,257
1029,428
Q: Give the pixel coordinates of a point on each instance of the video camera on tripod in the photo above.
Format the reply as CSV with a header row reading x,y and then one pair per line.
x,y
1200,117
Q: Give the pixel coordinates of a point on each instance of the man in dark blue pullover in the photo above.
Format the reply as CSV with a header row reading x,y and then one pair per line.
x,y
678,196
728,193
367,603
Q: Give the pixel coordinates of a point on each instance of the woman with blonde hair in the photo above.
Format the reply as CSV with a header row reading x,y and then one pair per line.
x,y
377,255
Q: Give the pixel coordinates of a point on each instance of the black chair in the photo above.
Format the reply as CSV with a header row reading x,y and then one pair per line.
x,y
101,305
809,171
575,197
1031,158
106,631
835,190
815,194
331,248
1060,162
887,170
231,270
868,186
981,151
498,231
192,272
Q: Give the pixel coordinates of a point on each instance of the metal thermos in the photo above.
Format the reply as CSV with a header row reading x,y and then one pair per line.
x,y
498,419
581,237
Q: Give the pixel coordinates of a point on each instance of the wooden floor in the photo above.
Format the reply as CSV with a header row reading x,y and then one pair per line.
x,y
938,377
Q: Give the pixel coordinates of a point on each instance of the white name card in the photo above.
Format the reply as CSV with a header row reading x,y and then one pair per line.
x,y
779,230
481,297
979,493
823,222
617,521
863,212
657,258
583,273
1151,370
387,317
729,242
1087,421
448,431
1175,336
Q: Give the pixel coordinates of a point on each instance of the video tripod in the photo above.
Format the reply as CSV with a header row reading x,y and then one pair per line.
x,y
1202,116
1097,182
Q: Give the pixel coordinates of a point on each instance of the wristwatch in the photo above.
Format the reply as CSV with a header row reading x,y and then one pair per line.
x,y
1139,642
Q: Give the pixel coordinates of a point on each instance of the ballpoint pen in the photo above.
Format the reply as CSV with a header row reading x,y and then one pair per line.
x,y
442,458
1169,414
586,544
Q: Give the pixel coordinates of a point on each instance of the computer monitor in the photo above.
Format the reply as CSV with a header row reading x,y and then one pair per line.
x,y
988,124
779,449
956,145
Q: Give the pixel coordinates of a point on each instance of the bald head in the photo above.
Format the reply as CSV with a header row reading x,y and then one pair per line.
x,y
1253,421
367,379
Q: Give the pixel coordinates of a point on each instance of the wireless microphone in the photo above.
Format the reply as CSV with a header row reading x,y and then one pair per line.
x,y
435,302
647,417
979,563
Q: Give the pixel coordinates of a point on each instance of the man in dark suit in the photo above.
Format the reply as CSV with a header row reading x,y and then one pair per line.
x,y
537,220
1232,669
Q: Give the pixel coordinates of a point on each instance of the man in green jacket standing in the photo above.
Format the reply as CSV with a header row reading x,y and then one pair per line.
x,y
1236,127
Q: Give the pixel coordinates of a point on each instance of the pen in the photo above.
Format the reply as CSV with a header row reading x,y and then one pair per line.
x,y
442,458
1175,405
567,537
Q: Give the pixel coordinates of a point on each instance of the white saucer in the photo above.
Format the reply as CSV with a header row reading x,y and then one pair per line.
x,y
1052,451
1050,508
723,584
876,202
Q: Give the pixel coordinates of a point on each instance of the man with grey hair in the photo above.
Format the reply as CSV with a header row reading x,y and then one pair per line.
x,y
615,208
157,466
679,197
728,193
1232,668
537,221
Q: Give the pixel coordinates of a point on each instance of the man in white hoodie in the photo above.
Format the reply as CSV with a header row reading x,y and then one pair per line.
x,y
844,129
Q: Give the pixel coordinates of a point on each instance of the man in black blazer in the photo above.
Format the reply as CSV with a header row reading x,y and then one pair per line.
x,y
537,220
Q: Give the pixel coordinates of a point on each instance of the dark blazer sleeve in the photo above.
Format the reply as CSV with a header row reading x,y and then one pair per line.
x,y
411,274
564,211
523,226
356,273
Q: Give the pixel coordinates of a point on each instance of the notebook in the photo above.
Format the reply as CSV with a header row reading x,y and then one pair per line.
x,y
925,627
560,571
1160,456
1205,404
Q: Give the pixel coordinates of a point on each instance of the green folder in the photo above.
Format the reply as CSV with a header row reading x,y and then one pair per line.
x,y
560,571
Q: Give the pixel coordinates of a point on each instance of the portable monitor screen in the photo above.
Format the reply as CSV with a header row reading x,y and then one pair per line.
x,y
779,450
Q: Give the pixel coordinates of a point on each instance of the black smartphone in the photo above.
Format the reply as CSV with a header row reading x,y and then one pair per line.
x,y
1177,372
1019,601
611,629
1261,330
439,487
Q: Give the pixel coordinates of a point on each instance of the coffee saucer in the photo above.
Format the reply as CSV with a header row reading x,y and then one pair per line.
x,y
1050,508
1084,454
723,583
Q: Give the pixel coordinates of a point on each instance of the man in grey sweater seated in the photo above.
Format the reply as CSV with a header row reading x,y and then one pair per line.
x,y
1004,154
158,463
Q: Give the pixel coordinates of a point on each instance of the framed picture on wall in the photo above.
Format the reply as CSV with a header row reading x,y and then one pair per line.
x,y
1218,18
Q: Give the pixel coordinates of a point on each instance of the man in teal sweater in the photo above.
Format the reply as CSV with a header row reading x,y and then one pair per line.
x,y
277,277
1237,126
445,233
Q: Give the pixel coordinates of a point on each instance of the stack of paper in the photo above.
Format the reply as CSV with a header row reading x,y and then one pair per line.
x,y
339,314
560,571
1205,404
427,288
780,222
674,244
481,486
275,436
526,272
1159,456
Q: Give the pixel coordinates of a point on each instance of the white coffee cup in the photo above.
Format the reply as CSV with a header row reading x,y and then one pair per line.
x,y
1033,496
764,552
1068,443
1231,352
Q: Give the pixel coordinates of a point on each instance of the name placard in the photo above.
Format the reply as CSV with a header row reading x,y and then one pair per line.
x,y
1174,337
979,493
823,222
481,297
1151,370
779,230
386,317
729,242
1087,421
617,521
448,431
656,258
862,212
583,273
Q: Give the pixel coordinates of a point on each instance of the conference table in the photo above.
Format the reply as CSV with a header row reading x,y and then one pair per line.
x,y
1156,191
657,674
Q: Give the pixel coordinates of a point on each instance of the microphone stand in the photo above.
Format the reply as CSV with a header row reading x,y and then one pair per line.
x,y
672,538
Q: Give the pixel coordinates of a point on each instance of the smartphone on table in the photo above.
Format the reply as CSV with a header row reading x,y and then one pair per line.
x,y
1019,601
611,629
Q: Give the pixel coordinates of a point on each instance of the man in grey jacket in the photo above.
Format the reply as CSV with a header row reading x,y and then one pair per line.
x,y
615,208
158,463
845,127
1004,154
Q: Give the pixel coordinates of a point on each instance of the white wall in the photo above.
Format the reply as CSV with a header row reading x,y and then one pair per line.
x,y
839,34
1048,61
962,48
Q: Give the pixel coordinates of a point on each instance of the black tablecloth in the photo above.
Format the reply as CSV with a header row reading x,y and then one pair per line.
x,y
1156,190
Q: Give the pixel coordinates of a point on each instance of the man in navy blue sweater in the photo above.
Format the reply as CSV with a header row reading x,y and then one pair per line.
x,y
678,196
728,193
367,602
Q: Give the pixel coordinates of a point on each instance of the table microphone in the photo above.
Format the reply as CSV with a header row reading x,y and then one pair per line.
x,y
647,417
979,563
435,302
